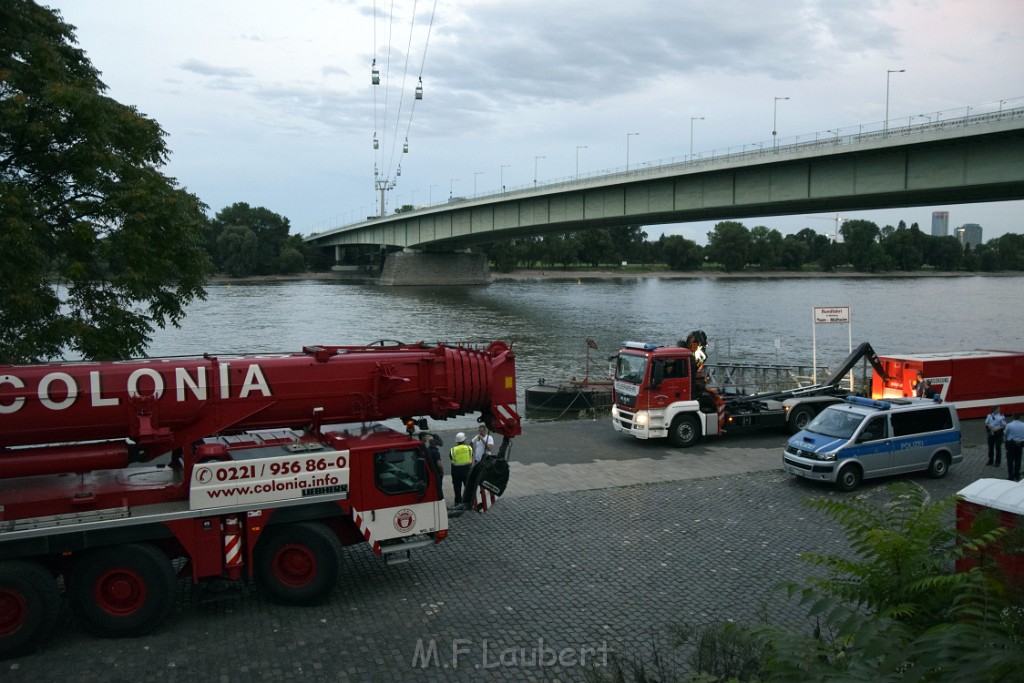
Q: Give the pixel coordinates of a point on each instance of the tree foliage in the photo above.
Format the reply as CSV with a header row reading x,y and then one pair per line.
x,y
730,244
97,246
895,610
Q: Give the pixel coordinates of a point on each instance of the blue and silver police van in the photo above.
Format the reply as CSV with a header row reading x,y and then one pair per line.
x,y
862,438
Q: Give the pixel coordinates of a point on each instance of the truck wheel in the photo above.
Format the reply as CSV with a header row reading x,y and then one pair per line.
x,y
849,478
799,418
298,563
685,431
125,590
939,466
29,606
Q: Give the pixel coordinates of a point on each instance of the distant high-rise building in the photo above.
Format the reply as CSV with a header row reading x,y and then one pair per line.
x,y
969,234
940,223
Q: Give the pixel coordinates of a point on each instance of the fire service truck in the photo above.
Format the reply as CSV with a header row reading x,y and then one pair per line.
x,y
973,381
661,391
269,464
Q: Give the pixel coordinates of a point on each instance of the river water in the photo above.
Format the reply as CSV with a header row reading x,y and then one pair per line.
x,y
749,320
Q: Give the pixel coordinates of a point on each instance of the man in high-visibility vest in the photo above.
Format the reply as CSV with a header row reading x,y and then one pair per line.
x,y
461,456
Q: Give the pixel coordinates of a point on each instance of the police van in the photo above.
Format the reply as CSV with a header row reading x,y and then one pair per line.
x,y
862,438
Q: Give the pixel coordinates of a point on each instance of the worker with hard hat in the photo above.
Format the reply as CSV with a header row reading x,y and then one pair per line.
x,y
461,456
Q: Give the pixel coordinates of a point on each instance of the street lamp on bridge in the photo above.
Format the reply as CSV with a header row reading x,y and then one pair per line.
x,y
775,122
501,175
535,160
692,119
578,148
888,73
451,188
475,174
628,136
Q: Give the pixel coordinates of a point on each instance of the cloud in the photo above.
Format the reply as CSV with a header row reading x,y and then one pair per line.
x,y
203,69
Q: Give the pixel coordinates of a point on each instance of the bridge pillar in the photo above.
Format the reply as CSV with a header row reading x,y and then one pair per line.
x,y
430,268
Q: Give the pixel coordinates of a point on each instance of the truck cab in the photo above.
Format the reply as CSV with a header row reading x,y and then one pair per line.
x,y
659,392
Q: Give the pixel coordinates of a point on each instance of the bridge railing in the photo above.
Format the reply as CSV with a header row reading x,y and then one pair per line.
x,y
797,145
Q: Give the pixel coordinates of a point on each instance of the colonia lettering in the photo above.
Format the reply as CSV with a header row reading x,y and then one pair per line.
x,y
60,390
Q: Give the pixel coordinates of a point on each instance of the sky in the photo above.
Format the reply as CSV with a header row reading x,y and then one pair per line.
x,y
271,103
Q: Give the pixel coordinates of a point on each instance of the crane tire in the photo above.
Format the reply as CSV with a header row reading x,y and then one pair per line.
x,y
29,606
122,591
298,563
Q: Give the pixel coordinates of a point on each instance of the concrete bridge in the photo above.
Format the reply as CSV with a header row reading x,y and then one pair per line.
x,y
973,158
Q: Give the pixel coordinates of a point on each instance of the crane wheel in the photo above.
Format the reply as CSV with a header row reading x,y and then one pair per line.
x,y
298,563
29,606
122,591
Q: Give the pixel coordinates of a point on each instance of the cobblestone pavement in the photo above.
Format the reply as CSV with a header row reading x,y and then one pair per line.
x,y
566,570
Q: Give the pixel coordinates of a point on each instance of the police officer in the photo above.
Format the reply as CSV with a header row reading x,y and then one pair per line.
x,y
1014,444
461,456
995,423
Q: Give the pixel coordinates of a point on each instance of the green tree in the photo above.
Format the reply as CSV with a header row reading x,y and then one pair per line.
x,y
944,253
816,244
97,246
729,244
238,247
862,246
1008,252
559,249
594,246
627,242
795,253
906,248
270,229
679,253
766,247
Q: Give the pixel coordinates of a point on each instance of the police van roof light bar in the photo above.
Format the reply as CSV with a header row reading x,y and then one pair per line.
x,y
871,403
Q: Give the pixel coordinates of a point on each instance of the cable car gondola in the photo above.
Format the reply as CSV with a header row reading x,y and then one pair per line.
x,y
375,73
419,90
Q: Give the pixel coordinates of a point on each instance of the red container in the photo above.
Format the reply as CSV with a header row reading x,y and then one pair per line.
x,y
973,380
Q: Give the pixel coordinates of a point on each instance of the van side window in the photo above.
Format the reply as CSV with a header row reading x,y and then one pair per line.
x,y
876,428
921,421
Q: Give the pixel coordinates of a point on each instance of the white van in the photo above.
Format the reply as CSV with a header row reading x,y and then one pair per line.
x,y
862,438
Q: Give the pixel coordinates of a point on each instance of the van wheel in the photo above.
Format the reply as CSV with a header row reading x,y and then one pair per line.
x,y
939,466
800,418
849,478
685,431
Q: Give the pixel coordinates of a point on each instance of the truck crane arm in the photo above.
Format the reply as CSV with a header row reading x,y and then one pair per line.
x,y
79,417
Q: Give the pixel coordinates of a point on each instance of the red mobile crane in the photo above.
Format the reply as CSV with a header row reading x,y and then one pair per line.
x,y
269,464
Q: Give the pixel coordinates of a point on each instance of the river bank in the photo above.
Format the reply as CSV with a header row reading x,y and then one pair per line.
x,y
613,273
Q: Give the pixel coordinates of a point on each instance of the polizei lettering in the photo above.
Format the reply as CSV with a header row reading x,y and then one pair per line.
x,y
59,390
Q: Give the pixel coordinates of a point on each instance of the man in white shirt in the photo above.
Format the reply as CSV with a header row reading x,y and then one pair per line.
x,y
483,444
995,423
